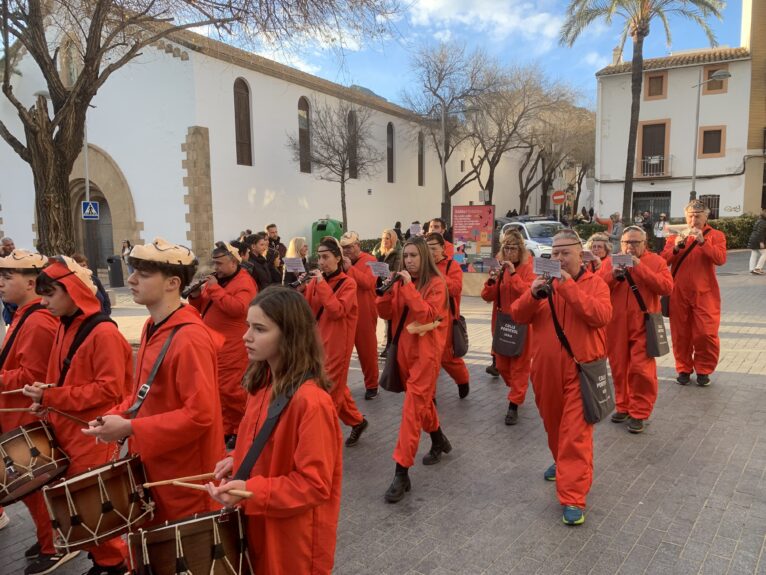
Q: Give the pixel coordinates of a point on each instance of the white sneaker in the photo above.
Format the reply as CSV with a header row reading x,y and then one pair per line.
x,y
4,520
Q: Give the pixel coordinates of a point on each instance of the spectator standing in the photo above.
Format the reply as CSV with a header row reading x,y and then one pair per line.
x,y
648,226
757,243
103,297
389,250
262,259
126,247
275,242
660,233
616,232
6,247
398,231
297,248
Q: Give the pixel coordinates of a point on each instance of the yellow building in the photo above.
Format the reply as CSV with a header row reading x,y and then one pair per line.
x,y
754,39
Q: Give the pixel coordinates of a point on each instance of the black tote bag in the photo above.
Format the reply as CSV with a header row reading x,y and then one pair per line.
x,y
509,337
656,337
390,380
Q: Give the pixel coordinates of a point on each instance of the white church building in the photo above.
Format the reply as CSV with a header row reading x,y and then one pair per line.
x,y
189,141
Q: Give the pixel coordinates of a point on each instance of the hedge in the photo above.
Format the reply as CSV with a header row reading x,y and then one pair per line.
x,y
587,230
737,230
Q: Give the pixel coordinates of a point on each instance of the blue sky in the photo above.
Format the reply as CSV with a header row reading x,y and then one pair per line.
x,y
513,31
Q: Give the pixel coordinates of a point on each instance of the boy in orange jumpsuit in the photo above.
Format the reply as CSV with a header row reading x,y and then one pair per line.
x,y
633,371
97,378
223,304
332,297
695,304
23,361
181,408
453,275
503,289
583,308
366,341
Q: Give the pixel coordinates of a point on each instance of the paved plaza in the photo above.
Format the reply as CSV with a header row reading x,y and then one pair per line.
x,y
686,496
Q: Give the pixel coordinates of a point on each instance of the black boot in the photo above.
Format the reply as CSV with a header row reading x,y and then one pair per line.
x,y
463,389
512,415
439,444
399,486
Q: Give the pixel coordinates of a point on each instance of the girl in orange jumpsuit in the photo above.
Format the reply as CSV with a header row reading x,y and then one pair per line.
x,y
332,298
503,288
292,517
98,378
421,292
453,275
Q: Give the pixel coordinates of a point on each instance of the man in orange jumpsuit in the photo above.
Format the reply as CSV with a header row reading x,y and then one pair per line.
x,y
439,226
23,361
177,430
223,304
695,304
583,308
332,297
97,378
366,341
454,366
633,371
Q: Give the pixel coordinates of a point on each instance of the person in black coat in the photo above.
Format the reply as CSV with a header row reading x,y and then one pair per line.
x,y
264,260
757,243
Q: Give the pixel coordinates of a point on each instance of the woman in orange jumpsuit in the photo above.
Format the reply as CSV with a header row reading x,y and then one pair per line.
x,y
421,292
332,297
292,517
503,288
453,275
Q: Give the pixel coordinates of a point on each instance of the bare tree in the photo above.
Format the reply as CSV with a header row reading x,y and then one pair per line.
x,y
341,145
105,35
582,155
448,80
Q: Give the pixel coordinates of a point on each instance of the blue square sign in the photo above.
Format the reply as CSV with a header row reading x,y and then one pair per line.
x,y
89,210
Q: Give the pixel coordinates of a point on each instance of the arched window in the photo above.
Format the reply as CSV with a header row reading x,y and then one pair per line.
x,y
353,143
390,152
242,129
304,135
421,160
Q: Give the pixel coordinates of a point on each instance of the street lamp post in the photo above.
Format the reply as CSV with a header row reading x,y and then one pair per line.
x,y
715,76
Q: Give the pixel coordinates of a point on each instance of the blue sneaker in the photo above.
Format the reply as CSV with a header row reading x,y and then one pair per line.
x,y
573,515
550,473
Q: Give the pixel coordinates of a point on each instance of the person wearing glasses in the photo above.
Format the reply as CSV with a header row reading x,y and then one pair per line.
x,y
502,289
634,373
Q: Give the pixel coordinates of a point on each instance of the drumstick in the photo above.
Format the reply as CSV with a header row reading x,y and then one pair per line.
x,y
68,416
189,478
237,492
16,410
46,386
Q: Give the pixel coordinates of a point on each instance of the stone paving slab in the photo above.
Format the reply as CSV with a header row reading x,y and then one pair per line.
x,y
687,496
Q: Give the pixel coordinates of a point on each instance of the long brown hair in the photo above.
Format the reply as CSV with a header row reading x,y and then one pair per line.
x,y
515,237
299,348
428,267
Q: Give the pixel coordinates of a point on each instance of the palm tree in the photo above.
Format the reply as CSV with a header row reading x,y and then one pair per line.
x,y
637,16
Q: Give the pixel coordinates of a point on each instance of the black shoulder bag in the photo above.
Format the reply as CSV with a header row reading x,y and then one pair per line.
x,y
83,332
656,336
595,387
390,380
9,344
665,299
509,337
459,328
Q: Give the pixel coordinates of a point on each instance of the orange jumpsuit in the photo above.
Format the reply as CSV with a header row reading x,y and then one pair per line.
x,y
26,363
634,373
178,430
583,309
503,291
695,304
224,309
366,340
337,328
99,377
418,358
292,517
454,366
449,249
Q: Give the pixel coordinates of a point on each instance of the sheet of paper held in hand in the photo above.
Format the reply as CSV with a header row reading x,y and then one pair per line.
x,y
294,265
379,269
490,263
416,230
546,267
622,261
587,256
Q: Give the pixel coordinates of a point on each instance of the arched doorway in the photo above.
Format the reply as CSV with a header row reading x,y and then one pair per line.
x,y
94,238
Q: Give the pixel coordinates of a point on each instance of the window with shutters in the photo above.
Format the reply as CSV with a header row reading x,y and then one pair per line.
x,y
353,146
304,135
712,87
242,128
713,203
390,152
421,160
652,148
656,85
712,142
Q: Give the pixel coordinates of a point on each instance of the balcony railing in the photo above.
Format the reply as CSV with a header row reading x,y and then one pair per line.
x,y
655,166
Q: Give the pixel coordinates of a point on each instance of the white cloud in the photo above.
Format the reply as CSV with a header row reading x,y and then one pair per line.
x,y
289,57
595,60
499,19
443,35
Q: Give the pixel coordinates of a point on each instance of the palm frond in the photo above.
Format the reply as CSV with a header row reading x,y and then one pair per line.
x,y
668,36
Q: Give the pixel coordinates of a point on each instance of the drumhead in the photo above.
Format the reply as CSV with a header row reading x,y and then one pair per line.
x,y
98,470
29,427
223,514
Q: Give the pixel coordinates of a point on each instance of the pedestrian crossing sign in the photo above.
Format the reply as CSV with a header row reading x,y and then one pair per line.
x,y
89,210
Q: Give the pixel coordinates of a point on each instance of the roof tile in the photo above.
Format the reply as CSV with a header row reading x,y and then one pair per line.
x,y
708,56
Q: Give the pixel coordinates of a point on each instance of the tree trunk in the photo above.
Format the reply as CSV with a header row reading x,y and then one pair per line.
x,y
343,202
490,187
580,178
636,81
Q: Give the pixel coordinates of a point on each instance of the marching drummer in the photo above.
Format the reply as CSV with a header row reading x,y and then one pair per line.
x,y
24,360
91,366
177,430
292,515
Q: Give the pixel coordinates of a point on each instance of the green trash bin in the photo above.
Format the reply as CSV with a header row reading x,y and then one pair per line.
x,y
322,228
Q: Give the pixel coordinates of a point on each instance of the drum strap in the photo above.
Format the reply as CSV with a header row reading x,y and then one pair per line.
x,y
83,332
143,391
9,344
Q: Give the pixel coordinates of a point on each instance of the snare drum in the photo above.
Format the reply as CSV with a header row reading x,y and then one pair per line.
x,y
209,543
101,503
30,458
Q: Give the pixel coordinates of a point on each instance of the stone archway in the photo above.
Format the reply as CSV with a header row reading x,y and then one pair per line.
x,y
110,183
